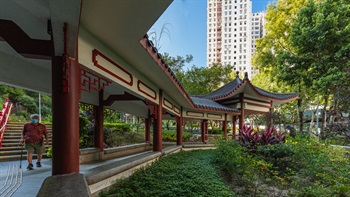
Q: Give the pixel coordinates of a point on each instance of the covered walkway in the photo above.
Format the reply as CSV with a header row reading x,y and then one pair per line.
x,y
96,52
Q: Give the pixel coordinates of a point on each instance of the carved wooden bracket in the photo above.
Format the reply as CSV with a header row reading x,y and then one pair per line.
x,y
153,108
91,81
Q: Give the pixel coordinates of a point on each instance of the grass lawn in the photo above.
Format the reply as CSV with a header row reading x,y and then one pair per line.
x,y
187,173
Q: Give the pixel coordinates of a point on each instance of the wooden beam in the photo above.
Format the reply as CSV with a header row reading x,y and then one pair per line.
x,y
23,44
120,97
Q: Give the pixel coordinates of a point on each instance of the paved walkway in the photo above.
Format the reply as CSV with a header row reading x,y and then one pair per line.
x,y
20,182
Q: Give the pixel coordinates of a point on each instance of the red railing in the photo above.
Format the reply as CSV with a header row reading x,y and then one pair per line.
x,y
4,116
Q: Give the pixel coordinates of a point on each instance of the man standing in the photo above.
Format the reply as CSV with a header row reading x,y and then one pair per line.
x,y
32,135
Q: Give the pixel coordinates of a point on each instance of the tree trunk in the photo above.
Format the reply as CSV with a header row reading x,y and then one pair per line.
x,y
312,122
324,114
301,115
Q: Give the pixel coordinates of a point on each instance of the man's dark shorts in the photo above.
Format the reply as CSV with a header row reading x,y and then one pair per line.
x,y
36,147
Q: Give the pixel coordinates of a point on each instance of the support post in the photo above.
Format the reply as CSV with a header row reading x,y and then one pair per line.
x,y
205,131
99,134
202,132
148,128
271,114
179,123
224,126
241,117
234,119
157,134
65,115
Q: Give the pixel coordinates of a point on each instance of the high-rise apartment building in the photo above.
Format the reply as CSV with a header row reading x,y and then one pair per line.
x,y
231,31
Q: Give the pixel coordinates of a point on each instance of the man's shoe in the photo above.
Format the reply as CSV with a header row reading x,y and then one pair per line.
x,y
30,167
38,164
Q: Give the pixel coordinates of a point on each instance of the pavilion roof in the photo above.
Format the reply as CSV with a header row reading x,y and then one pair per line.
x,y
237,86
208,104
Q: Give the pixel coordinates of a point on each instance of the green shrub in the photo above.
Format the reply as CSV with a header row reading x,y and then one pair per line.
x,y
17,118
121,127
187,173
85,134
170,135
215,131
49,152
114,138
302,166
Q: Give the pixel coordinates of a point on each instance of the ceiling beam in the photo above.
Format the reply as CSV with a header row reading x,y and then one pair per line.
x,y
22,43
120,97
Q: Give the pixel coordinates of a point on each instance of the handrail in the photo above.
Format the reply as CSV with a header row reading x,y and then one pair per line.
x,y
4,116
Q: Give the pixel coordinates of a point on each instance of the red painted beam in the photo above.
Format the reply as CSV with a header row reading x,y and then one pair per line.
x,y
119,97
23,44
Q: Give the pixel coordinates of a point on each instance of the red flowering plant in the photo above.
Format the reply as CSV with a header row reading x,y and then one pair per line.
x,y
251,139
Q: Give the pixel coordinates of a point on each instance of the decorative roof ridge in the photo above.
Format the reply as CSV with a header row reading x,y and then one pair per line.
x,y
212,95
241,83
261,92
270,95
208,104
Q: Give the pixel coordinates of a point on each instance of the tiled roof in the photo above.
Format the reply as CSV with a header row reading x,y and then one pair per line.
x,y
224,90
231,87
277,96
208,104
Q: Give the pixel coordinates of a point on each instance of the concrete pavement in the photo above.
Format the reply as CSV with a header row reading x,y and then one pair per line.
x,y
20,182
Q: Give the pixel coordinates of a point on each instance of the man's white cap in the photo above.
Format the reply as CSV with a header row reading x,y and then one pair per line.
x,y
33,115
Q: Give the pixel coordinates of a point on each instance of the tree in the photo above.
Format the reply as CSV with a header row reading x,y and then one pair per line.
x,y
320,38
177,64
275,46
201,80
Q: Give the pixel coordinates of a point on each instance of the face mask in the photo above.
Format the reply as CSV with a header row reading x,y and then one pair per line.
x,y
34,121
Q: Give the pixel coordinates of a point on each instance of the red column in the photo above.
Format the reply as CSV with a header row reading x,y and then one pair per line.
x,y
205,130
271,114
179,123
99,134
148,129
202,132
157,134
65,115
241,117
224,126
234,119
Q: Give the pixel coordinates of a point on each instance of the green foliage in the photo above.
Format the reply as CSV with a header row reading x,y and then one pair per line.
x,y
319,35
213,77
300,167
215,131
241,170
21,116
187,173
120,127
85,135
339,133
193,79
49,152
120,134
170,135
112,116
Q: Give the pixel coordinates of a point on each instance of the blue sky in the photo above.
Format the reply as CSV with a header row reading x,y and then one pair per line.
x,y
187,19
